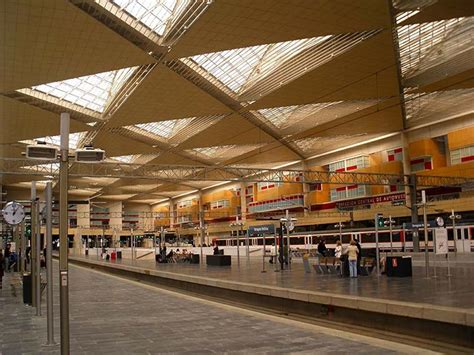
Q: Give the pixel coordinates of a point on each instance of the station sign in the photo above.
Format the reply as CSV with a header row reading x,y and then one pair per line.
x,y
419,225
263,229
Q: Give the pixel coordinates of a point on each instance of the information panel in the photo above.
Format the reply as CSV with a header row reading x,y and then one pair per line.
x,y
441,241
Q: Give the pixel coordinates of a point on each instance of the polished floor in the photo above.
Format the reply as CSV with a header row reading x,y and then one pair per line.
x,y
455,291
110,315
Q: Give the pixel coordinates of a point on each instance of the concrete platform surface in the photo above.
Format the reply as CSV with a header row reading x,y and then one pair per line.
x,y
111,315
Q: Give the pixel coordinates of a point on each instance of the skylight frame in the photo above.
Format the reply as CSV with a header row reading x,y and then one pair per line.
x,y
74,139
93,92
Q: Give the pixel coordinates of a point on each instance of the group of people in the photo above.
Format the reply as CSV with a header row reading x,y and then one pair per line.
x,y
353,252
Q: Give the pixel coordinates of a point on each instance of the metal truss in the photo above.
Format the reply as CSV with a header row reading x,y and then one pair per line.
x,y
219,174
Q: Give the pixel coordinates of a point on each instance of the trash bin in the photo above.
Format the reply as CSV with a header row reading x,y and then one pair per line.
x,y
119,254
113,255
195,259
398,266
87,252
27,289
345,266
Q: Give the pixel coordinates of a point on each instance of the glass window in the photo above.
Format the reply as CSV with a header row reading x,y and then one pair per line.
x,y
395,154
462,155
422,163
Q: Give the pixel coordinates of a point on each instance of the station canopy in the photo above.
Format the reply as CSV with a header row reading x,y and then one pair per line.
x,y
226,83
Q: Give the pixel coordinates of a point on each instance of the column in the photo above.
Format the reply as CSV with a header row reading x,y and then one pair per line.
x,y
83,216
410,188
171,213
243,203
306,203
115,211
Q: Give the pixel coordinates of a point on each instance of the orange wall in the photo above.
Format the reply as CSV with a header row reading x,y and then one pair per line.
x,y
277,192
461,138
428,147
230,195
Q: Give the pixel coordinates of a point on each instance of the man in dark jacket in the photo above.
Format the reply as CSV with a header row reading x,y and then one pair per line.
x,y
322,249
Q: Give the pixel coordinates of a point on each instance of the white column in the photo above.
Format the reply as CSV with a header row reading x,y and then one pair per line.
x,y
83,216
115,210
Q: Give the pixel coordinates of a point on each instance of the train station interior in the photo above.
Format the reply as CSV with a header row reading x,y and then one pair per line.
x,y
236,176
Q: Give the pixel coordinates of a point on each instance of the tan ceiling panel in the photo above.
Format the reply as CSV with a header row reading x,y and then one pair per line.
x,y
51,40
443,10
241,23
118,145
234,129
366,71
165,95
19,121
380,122
170,158
274,153
464,80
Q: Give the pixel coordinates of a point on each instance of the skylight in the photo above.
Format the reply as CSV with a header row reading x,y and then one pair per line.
x,y
236,67
416,41
74,139
93,91
310,145
154,14
225,152
165,129
301,117
126,158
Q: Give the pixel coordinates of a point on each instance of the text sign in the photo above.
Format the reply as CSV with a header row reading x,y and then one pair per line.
x,y
263,229
441,241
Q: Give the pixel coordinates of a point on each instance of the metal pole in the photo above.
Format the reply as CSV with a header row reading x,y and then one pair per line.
x,y
447,257
49,263
247,242
454,233
263,258
23,247
275,260
33,243
288,238
201,231
281,246
132,244
433,232
37,247
377,255
63,235
425,228
391,235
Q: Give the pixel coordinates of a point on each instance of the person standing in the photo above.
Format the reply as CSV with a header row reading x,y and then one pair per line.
x,y
6,258
359,254
1,268
352,253
322,249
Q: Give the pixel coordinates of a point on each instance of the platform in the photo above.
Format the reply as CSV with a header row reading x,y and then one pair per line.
x,y
112,315
427,304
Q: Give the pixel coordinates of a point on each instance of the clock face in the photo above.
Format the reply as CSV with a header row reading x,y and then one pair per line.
x,y
13,213
440,221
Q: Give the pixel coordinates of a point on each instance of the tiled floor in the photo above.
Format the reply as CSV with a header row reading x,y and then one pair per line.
x,y
456,291
113,315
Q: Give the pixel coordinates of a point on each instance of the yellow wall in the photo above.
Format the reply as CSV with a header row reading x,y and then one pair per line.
x,y
277,192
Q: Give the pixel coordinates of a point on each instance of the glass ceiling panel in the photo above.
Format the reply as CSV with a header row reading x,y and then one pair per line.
x,y
126,158
417,41
237,68
314,144
165,129
92,91
154,14
293,119
224,152
439,104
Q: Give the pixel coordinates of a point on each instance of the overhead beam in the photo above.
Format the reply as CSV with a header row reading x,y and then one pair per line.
x,y
227,173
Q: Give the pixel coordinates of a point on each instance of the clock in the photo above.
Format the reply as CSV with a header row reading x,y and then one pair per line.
x,y
13,213
440,221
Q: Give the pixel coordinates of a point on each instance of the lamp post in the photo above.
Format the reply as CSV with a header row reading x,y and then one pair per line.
x,y
377,254
453,217
240,224
288,223
390,223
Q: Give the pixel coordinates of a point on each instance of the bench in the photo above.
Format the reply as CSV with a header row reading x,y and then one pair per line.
x,y
327,265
